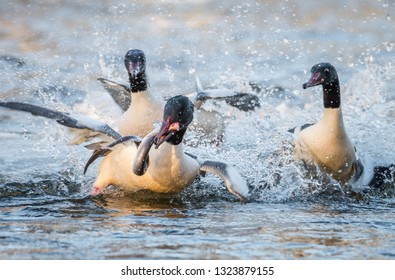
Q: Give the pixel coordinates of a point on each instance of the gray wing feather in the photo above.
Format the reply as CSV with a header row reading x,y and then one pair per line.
x,y
101,151
292,130
358,168
232,179
72,121
119,93
191,155
241,101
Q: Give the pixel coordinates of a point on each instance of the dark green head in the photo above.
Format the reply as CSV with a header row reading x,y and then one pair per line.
x,y
322,74
178,114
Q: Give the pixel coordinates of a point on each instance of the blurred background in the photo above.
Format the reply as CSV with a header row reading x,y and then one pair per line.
x,y
219,40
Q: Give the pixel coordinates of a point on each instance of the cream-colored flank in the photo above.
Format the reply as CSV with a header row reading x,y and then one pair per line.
x,y
169,171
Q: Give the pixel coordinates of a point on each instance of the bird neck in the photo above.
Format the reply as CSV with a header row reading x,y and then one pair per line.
x,y
333,119
176,139
331,94
139,83
167,149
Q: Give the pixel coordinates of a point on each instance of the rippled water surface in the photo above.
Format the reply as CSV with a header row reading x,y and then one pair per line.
x,y
52,52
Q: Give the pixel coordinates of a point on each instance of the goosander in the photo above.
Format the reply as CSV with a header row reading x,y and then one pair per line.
x,y
146,108
326,144
131,164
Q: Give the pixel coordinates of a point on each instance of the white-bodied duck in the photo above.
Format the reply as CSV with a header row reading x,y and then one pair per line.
x,y
132,165
326,144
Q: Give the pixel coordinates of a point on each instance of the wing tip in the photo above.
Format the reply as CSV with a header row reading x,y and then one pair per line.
x,y
234,182
292,130
299,128
237,185
198,84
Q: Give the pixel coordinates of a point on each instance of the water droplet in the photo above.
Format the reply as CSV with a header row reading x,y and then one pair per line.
x,y
389,46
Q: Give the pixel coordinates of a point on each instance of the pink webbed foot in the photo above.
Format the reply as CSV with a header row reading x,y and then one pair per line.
x,y
96,191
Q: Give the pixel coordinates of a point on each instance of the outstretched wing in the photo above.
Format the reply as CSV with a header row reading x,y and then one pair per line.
x,y
68,120
232,179
119,93
99,150
300,128
241,101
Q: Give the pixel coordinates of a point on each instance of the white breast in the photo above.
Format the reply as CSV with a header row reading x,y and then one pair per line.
x,y
143,112
169,171
327,145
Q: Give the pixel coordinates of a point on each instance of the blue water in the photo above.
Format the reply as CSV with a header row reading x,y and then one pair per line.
x,y
51,53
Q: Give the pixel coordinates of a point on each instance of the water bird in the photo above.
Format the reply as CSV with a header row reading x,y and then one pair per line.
x,y
130,162
326,144
142,108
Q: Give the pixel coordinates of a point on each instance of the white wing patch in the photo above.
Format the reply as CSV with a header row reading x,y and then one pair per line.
x,y
232,178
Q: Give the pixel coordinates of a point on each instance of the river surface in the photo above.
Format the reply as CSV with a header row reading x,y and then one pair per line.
x,y
52,52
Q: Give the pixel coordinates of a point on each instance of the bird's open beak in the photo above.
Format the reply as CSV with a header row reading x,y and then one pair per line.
x,y
167,130
314,80
134,68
